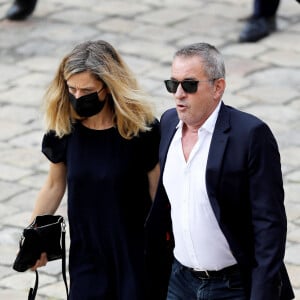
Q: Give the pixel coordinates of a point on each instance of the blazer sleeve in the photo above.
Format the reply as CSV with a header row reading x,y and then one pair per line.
x,y
268,213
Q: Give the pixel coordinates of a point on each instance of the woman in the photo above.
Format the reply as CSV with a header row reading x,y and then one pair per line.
x,y
102,143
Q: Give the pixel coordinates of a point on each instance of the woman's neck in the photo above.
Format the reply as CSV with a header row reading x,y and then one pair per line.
x,y
102,120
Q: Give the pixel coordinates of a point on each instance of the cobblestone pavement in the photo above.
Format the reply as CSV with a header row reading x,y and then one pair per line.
x,y
263,78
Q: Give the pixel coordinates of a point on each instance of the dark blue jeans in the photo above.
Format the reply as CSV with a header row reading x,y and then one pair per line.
x,y
183,285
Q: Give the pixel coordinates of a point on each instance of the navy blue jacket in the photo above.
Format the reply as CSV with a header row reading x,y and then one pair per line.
x,y
245,189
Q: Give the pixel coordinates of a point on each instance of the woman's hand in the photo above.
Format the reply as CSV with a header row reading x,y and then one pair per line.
x,y
41,262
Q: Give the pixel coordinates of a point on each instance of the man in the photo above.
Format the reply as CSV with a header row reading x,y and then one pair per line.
x,y
221,183
21,9
262,22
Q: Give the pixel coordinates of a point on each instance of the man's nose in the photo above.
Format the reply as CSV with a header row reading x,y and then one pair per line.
x,y
180,92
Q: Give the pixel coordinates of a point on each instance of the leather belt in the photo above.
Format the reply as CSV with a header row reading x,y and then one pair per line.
x,y
215,274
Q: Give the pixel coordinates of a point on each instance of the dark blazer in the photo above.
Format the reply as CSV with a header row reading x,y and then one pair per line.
x,y
245,189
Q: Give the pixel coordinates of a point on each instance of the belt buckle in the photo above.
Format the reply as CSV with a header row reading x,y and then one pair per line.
x,y
200,273
207,274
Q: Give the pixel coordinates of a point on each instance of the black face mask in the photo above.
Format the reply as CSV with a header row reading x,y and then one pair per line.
x,y
87,105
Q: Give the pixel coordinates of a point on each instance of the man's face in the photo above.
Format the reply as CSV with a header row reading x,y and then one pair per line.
x,y
194,108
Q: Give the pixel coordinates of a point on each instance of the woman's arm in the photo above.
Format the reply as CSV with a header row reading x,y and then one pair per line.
x,y
52,192
49,198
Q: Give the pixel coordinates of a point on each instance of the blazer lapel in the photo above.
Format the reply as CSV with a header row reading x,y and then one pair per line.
x,y
215,156
167,133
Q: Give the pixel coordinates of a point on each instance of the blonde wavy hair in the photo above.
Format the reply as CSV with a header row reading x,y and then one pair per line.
x,y
132,112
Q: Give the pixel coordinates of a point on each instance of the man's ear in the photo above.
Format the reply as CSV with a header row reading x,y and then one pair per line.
x,y
219,88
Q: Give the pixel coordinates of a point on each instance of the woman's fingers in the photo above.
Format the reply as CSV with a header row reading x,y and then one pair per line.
x,y
41,262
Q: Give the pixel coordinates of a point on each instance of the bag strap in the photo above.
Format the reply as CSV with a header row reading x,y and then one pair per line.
x,y
63,260
33,291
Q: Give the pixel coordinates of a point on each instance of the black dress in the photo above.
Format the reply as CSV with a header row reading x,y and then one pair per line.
x,y
108,200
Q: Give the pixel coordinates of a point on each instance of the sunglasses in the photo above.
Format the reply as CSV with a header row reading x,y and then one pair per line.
x,y
189,86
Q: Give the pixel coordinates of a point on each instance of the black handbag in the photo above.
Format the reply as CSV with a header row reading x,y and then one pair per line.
x,y
45,234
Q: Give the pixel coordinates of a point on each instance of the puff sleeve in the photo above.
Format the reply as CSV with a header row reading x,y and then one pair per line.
x,y
54,147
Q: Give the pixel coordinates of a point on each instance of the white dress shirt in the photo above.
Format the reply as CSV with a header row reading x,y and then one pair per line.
x,y
199,241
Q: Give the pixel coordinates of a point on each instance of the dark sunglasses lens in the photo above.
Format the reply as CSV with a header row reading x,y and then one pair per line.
x,y
189,86
171,85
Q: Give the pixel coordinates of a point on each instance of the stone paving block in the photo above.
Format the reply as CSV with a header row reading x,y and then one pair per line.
x,y
237,101
42,64
292,192
9,189
293,211
117,24
54,268
86,16
15,36
39,80
20,220
291,156
269,94
291,137
294,176
295,273
11,173
16,113
156,33
201,25
196,38
224,9
63,5
150,50
24,281
6,271
284,58
297,293
64,33
294,236
164,16
43,47
22,201
54,291
7,209
246,51
30,157
292,255
122,8
9,236
7,256
16,295
11,72
30,138
34,181
238,67
274,76
160,74
296,103
280,114
283,41
295,28
16,95
235,84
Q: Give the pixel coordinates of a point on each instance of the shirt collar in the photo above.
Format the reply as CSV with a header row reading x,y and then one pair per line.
x,y
208,125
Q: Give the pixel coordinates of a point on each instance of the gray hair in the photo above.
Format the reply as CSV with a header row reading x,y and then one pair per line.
x,y
212,59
